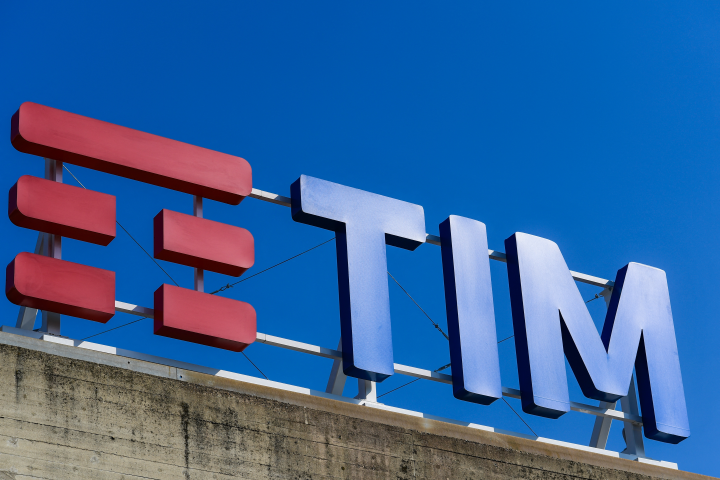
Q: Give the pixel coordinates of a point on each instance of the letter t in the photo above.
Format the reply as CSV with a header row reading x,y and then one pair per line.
x,y
363,223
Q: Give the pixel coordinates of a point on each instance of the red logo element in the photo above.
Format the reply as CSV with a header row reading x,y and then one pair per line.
x,y
202,243
67,137
60,209
203,318
60,286
72,289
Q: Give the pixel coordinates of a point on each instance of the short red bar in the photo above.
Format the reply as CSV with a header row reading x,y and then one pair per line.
x,y
201,243
203,318
62,287
52,133
60,209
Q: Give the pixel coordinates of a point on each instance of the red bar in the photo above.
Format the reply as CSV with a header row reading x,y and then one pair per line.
x,y
48,132
203,318
60,209
59,286
201,243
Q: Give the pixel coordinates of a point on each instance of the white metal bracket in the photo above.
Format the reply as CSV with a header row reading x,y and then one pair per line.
x,y
367,391
336,382
632,433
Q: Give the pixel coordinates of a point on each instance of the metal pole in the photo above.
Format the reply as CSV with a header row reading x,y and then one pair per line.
x,y
26,316
53,246
336,382
435,240
601,428
633,433
367,390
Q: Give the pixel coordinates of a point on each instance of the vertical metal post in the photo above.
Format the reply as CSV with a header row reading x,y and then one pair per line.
x,y
601,428
53,247
336,382
199,274
633,434
367,391
26,316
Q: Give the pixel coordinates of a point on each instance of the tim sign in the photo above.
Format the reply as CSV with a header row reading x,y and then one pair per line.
x,y
550,318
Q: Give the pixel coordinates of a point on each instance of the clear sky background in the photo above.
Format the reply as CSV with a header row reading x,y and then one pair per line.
x,y
593,126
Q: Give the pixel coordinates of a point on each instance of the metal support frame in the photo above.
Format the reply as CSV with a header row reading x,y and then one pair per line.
x,y
398,368
601,428
632,433
336,382
367,390
435,240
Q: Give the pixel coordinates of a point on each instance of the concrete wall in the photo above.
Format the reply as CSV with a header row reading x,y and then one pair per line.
x,y
63,416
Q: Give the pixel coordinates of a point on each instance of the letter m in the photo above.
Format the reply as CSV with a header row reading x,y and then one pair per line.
x,y
550,317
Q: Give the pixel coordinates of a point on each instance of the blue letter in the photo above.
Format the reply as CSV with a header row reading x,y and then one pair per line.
x,y
470,312
549,317
363,223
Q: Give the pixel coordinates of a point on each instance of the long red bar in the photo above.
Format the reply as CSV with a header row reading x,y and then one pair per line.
x,y
71,138
61,209
62,287
203,318
201,243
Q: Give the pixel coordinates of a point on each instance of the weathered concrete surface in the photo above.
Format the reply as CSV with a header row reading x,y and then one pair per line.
x,y
62,417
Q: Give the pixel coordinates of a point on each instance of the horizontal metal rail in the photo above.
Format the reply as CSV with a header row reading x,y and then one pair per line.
x,y
401,369
515,393
271,197
134,309
435,240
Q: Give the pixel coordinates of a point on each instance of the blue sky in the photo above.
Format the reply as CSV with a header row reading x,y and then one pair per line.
x,y
595,126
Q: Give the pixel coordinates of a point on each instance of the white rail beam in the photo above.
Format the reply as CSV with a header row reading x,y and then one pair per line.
x,y
316,350
435,240
337,379
134,309
271,197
